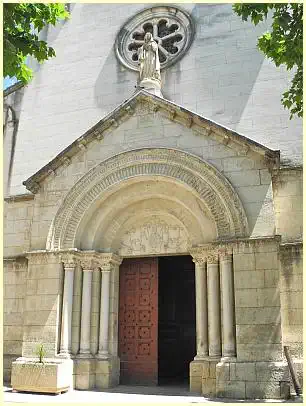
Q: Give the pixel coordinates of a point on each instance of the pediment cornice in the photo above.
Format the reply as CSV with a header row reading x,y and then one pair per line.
x,y
169,110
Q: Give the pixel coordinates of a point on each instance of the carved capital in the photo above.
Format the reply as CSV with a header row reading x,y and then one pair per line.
x,y
199,260
199,254
88,263
212,257
70,260
107,261
225,254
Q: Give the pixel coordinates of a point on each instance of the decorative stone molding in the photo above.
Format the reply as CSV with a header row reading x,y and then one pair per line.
x,y
199,176
212,257
19,198
107,261
225,253
70,260
154,236
143,102
171,28
42,257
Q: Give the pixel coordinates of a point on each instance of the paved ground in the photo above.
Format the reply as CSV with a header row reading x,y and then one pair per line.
x,y
125,394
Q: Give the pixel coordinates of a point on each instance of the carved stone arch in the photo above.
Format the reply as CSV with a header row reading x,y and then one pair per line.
x,y
205,181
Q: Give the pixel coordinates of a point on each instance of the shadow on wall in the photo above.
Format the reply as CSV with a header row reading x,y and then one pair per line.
x,y
216,76
114,84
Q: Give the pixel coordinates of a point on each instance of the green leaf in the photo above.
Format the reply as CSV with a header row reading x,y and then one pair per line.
x,y
22,23
283,44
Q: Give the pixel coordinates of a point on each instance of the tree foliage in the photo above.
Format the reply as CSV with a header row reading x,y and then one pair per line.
x,y
283,44
22,23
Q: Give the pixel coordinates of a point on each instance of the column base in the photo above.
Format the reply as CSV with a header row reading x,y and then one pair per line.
x,y
84,372
107,372
103,355
84,355
64,354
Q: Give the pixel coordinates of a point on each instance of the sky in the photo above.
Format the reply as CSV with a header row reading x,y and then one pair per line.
x,y
7,82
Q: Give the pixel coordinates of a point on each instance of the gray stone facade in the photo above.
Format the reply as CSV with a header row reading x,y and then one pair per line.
x,y
216,161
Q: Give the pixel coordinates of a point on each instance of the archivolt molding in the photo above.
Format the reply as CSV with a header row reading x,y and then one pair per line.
x,y
206,182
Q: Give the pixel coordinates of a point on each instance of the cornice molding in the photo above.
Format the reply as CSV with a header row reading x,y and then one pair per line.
x,y
170,110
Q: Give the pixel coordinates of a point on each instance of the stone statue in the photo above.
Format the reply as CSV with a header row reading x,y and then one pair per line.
x,y
149,65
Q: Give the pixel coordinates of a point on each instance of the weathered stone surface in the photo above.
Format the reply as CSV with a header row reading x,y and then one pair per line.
x,y
262,390
209,387
258,333
145,209
53,377
242,371
259,352
231,389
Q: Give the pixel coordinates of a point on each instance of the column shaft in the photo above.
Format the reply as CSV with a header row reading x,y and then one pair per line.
x,y
66,327
104,315
86,313
214,310
201,310
229,344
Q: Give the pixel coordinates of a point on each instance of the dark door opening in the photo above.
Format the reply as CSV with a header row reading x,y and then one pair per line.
x,y
176,319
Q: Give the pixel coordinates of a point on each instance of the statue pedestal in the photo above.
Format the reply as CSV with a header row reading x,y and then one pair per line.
x,y
152,86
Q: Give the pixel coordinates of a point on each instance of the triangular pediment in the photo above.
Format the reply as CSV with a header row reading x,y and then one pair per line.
x,y
168,111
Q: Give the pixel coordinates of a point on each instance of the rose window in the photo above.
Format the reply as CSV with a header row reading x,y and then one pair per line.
x,y
171,28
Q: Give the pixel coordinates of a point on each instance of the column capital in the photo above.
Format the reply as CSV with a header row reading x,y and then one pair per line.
x,y
70,259
212,257
199,254
225,253
107,261
87,262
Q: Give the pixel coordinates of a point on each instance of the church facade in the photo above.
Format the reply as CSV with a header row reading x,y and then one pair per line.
x,y
153,207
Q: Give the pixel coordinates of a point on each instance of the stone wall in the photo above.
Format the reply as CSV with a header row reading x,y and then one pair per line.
x,y
258,368
288,203
248,175
42,303
223,77
14,290
291,298
18,213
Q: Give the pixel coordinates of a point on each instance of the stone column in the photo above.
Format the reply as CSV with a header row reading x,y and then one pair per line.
x,y
66,325
214,317
229,341
201,307
107,361
104,311
86,309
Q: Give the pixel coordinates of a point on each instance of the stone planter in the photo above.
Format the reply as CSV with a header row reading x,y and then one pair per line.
x,y
53,376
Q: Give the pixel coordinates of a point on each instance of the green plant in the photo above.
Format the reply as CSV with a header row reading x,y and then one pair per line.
x,y
41,353
283,44
22,24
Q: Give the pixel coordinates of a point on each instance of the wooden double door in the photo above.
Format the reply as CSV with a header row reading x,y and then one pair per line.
x,y
157,338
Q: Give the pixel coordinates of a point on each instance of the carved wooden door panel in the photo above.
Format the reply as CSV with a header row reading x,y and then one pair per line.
x,y
138,321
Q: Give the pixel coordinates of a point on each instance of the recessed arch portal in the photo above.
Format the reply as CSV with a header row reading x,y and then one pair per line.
x,y
206,186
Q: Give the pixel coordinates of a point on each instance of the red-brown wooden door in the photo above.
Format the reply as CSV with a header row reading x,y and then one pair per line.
x,y
138,321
